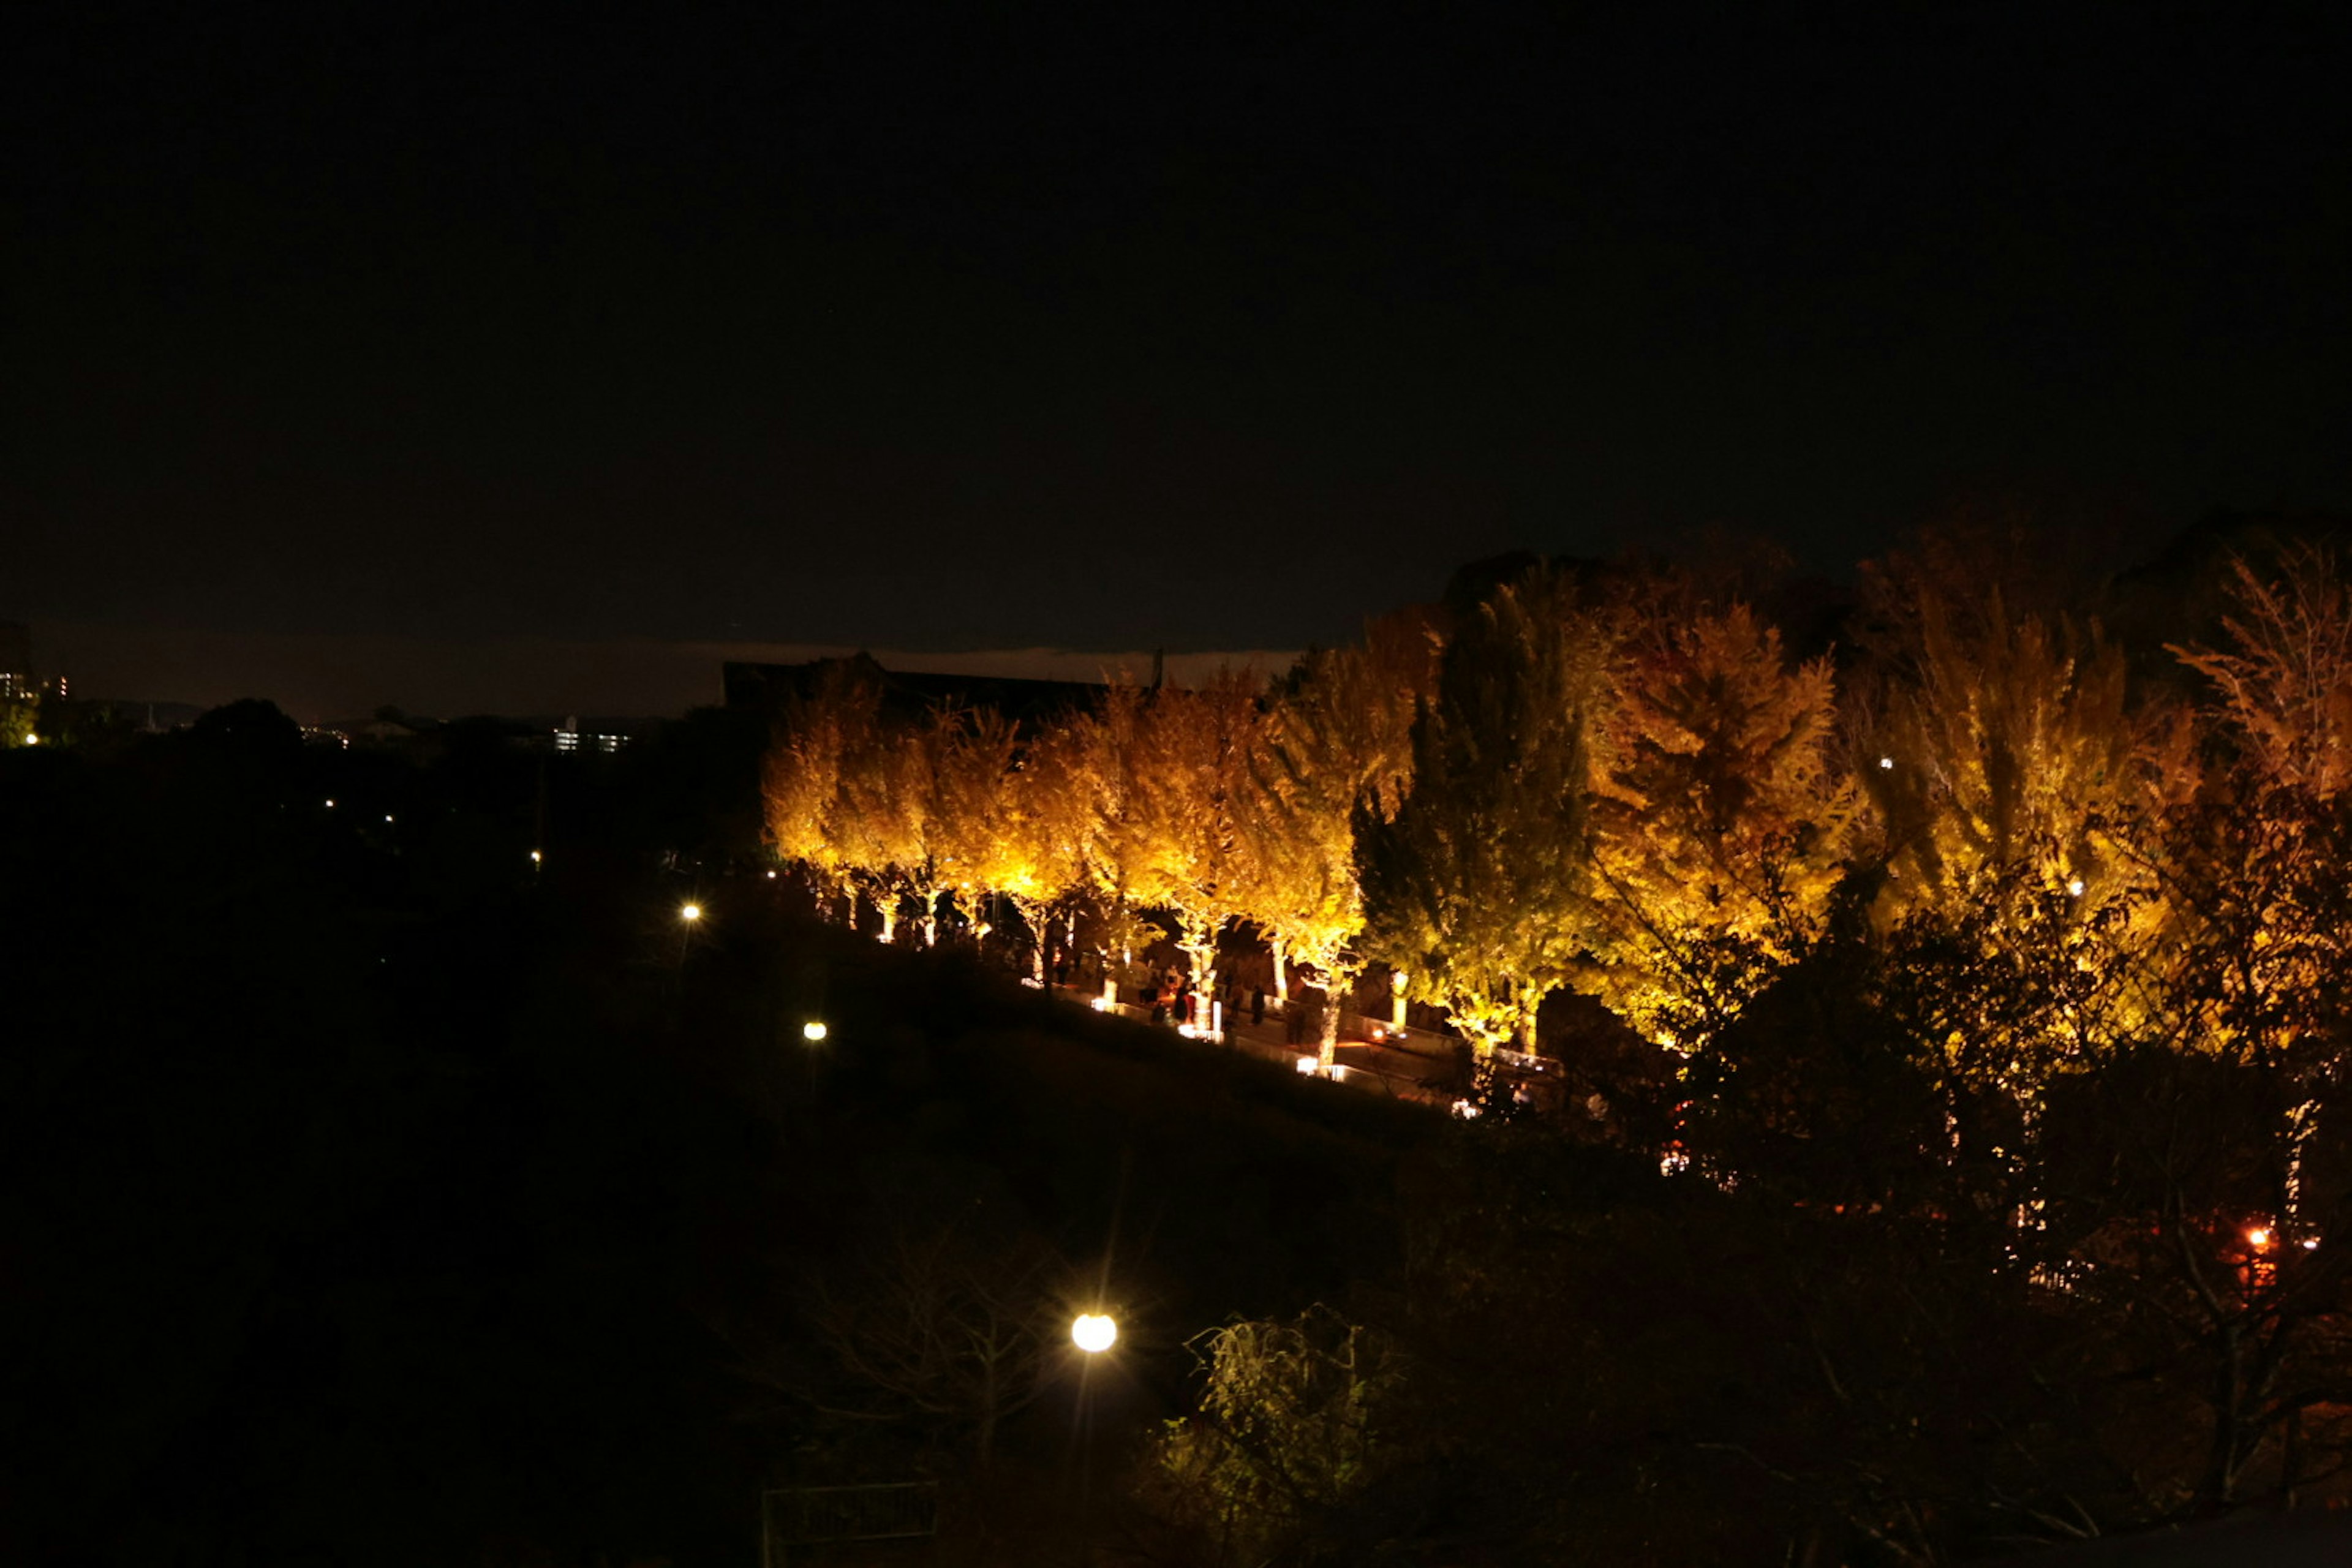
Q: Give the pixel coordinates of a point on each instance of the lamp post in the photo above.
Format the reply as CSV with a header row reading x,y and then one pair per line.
x,y
1094,1333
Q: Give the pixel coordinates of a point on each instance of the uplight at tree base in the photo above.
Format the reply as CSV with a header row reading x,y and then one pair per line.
x,y
1094,1333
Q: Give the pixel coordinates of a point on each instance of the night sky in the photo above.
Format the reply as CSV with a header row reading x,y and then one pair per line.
x,y
1115,327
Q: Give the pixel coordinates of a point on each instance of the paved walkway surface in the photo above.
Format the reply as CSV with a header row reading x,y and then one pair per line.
x,y
1411,1068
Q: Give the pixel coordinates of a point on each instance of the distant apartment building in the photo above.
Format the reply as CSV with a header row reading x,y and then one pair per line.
x,y
16,676
570,739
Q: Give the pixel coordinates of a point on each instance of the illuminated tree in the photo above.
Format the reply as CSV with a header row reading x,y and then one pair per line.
x,y
1023,819
969,824
2261,923
1186,775
1480,886
1723,820
1106,745
2284,683
1997,737
1339,739
2004,761
822,738
883,814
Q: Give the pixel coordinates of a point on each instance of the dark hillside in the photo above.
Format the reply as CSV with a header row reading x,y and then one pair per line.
x,y
368,1195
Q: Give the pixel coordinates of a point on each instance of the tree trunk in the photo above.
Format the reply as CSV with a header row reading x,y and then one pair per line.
x,y
2302,1121
1200,956
889,908
1281,992
1334,989
1041,933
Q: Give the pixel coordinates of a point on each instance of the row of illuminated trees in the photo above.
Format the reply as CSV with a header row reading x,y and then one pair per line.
x,y
1175,812
1621,784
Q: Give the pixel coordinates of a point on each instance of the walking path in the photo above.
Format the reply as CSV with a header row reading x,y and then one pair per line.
x,y
1411,1068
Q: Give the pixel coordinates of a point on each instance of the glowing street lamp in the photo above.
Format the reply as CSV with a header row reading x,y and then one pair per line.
x,y
812,1031
1094,1333
689,913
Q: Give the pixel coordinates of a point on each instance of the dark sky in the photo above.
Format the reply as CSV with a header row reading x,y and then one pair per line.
x,y
1114,326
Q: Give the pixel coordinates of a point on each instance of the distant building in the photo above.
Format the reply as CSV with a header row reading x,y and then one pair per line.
x,y
16,656
767,687
572,740
16,676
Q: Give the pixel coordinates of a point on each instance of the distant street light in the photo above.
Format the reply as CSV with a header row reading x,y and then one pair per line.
x,y
690,913
534,857
812,1031
32,740
1094,1333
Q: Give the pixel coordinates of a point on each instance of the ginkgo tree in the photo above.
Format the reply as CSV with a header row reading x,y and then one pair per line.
x,y
1723,819
971,806
823,737
1996,736
2260,929
1337,740
1029,819
2004,756
1186,776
